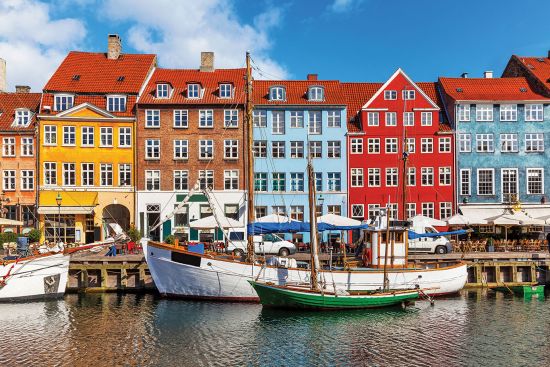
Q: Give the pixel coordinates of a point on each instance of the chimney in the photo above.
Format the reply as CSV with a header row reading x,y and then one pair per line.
x,y
207,61
464,75
549,54
22,89
2,75
487,74
114,46
312,77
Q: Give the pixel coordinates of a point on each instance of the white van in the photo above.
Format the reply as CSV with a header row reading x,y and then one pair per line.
x,y
269,244
432,245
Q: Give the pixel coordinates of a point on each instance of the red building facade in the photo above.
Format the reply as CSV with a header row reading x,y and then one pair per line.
x,y
381,117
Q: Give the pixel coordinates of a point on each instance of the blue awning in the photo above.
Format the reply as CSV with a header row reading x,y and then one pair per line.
x,y
413,235
295,226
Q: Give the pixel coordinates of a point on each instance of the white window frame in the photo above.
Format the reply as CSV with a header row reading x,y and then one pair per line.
x,y
86,131
152,119
50,131
444,144
390,95
70,131
534,112
182,176
181,149
373,118
152,177
357,177
226,90
106,172
316,93
392,177
508,112
527,180
278,121
411,176
63,100
206,119
231,118
50,170
183,117
315,122
27,146
463,113
373,143
358,211
445,206
427,172
85,171
259,118
125,137
465,143
163,91
152,149
374,177
8,147
68,168
391,118
492,170
105,131
194,91
509,143
277,93
27,180
428,207
297,149
22,117
426,145
116,103
231,146
393,142
534,140
334,149
445,173
409,94
296,119
9,180
204,146
356,146
502,172
486,140
334,118
408,118
468,182
484,112
426,118
231,177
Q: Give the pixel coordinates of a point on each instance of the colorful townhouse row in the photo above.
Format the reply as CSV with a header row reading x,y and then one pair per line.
x,y
114,140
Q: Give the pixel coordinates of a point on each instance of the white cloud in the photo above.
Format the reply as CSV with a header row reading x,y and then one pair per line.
x,y
178,31
32,43
341,6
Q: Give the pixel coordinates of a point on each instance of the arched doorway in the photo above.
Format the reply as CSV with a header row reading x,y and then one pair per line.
x,y
116,213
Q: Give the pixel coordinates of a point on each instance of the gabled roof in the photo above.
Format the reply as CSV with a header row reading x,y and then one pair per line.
x,y
93,72
296,92
356,95
99,101
538,66
209,81
9,102
489,89
85,106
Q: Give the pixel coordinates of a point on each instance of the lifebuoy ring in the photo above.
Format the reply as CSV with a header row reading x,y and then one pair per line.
x,y
367,256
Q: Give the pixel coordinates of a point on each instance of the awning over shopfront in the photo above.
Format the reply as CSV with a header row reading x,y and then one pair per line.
x,y
72,202
503,215
66,210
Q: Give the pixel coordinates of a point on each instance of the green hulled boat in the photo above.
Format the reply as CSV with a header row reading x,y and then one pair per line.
x,y
522,290
305,298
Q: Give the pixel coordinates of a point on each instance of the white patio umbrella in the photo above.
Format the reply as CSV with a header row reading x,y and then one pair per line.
x,y
545,218
274,218
10,222
338,220
427,221
514,219
211,223
462,220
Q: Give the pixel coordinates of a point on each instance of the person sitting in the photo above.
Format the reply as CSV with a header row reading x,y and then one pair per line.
x,y
112,250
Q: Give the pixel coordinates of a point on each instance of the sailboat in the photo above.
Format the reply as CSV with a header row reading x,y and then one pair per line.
x,y
182,273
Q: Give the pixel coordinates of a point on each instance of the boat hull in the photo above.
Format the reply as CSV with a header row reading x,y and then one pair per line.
x,y
38,278
201,277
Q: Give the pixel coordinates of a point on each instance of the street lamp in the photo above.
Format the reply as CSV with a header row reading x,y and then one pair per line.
x,y
58,200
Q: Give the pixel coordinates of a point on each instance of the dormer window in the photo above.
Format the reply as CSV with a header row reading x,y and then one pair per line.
x,y
163,90
225,90
63,102
277,94
193,91
22,117
316,94
116,103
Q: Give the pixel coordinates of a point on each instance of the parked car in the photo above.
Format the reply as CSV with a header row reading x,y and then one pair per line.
x,y
264,244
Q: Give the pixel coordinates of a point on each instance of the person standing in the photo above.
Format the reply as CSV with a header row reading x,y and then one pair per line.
x,y
548,241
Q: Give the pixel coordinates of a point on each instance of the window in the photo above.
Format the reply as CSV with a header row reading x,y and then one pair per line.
x,y
296,149
296,119
411,210
358,211
535,181
426,119
152,180
152,149
106,174
232,211
534,112
373,145
181,216
393,210
316,94
163,90
50,135
391,145
279,184
50,173
260,181
444,176
374,210
297,181
374,177
484,143
509,143
334,149
409,94
297,212
259,118
534,142
444,145
315,124
391,118
279,210
445,210
27,147
106,137
411,145
408,118
193,90
334,209
231,118
27,180
125,137
206,118
334,181
181,119
485,181
509,178
8,180
426,145
69,178
428,210
152,118
231,179
277,94
373,119
484,112
315,149
390,95
63,102
278,149
259,148
206,179
69,135
463,112
225,91
87,174
411,176
508,112
8,147
427,176
231,149
124,174
22,117
356,146
392,177
116,103
318,181
465,181
464,143
87,138
357,177
206,149
334,119
278,122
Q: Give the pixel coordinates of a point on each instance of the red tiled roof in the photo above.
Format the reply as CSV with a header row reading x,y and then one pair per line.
x,y
357,94
209,81
296,92
489,89
9,102
539,66
98,74
97,100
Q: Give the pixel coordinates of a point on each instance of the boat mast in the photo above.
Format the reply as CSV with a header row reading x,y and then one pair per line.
x,y
250,160
404,174
386,280
313,227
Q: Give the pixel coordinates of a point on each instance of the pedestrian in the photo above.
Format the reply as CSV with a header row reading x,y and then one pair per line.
x,y
548,241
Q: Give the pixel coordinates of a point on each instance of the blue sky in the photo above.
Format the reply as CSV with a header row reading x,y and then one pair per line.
x,y
350,40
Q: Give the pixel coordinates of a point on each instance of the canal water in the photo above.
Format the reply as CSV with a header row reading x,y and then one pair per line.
x,y
477,328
